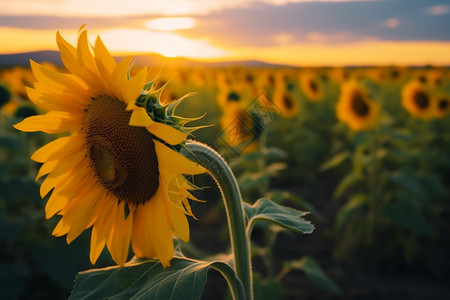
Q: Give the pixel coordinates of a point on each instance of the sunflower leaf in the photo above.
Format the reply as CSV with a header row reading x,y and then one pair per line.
x,y
267,210
185,279
315,273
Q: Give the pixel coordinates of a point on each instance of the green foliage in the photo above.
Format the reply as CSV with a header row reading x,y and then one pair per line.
x,y
315,273
288,218
185,279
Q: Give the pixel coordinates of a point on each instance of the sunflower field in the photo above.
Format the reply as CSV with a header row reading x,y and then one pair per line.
x,y
362,152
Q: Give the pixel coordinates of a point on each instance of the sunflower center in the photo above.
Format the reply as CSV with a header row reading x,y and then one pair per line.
x,y
359,105
287,102
443,104
421,100
313,86
233,96
123,157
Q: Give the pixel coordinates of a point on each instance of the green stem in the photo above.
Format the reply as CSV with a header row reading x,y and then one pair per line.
x,y
221,172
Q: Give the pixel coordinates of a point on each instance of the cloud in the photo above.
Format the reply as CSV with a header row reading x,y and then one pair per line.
x,y
438,10
262,24
91,8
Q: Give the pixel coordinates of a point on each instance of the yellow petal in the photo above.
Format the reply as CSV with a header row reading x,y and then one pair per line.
x,y
52,102
83,213
55,80
119,239
102,227
174,162
142,232
46,168
120,77
103,58
167,133
68,53
62,171
134,86
59,148
55,204
97,245
84,56
175,211
140,118
52,122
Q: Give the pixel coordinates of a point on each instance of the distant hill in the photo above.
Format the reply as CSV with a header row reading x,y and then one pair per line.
x,y
156,60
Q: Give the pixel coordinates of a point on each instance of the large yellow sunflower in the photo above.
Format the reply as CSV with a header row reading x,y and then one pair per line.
x,y
417,101
355,108
116,171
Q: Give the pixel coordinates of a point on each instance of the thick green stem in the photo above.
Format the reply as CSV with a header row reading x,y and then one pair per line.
x,y
221,172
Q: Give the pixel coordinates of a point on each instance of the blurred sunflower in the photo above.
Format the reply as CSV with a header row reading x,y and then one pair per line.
x,y
417,101
241,127
233,94
285,102
442,106
5,95
117,171
311,86
355,108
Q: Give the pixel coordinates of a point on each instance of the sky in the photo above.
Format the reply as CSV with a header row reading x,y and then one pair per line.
x,y
292,32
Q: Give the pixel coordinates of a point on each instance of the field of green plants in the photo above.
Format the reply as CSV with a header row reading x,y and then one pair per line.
x,y
364,150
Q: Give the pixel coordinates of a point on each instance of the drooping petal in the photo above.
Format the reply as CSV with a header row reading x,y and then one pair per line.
x,y
119,238
167,133
139,117
174,162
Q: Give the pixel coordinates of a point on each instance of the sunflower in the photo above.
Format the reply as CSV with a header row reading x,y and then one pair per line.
x,y
5,95
442,105
232,94
285,102
417,101
117,170
311,86
241,127
355,108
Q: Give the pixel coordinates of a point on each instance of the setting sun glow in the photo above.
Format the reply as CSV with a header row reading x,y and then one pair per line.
x,y
168,24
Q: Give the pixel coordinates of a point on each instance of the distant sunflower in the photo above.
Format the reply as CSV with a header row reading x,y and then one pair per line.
x,y
117,171
286,103
311,86
417,101
227,96
355,108
241,127
5,95
442,106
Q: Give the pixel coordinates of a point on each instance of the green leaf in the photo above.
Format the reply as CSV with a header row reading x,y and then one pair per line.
x,y
267,210
348,181
185,279
315,273
278,196
407,218
355,203
251,180
274,168
268,289
408,181
334,161
274,153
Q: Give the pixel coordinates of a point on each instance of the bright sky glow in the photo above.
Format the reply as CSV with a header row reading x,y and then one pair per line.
x,y
294,32
169,24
